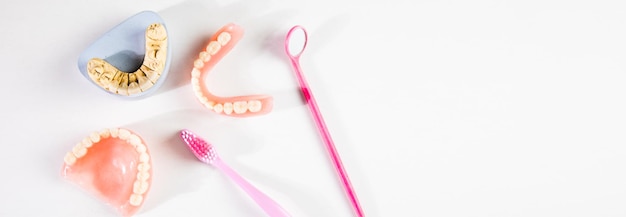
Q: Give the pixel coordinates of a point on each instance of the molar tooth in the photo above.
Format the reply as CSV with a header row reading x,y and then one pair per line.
x,y
124,134
218,108
143,167
143,176
69,158
213,47
79,151
254,105
114,132
228,108
140,186
204,56
95,137
240,107
136,199
223,38
144,157
195,73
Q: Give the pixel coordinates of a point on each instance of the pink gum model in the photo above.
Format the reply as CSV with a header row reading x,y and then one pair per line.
x,y
114,165
239,106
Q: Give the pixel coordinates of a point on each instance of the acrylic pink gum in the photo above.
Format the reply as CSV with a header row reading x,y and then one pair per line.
x,y
114,165
239,106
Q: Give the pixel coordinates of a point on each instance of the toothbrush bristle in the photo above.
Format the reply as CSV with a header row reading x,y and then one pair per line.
x,y
202,149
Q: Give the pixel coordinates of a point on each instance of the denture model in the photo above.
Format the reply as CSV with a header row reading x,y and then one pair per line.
x,y
131,59
239,106
114,165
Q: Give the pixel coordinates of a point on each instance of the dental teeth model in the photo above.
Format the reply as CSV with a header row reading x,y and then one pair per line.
x,y
114,165
119,82
130,60
217,47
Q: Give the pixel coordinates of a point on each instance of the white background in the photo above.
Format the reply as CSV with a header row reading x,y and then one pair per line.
x,y
438,108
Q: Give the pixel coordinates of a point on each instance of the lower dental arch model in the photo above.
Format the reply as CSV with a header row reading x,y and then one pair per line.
x,y
240,106
119,82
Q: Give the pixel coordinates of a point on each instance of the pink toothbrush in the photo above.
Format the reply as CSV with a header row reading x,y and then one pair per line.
x,y
295,42
205,153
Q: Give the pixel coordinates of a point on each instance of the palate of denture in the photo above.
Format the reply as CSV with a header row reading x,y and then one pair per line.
x,y
114,165
113,80
240,106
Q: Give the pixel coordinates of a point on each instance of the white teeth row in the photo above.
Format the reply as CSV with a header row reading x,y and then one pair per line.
x,y
143,168
238,107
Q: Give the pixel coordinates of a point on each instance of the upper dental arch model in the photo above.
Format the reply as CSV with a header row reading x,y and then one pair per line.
x,y
114,165
239,106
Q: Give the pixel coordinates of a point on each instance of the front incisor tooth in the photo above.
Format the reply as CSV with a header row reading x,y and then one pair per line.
x,y
199,95
203,99
133,88
150,73
115,82
115,132
213,47
144,157
123,88
144,82
134,140
95,137
69,158
198,64
136,199
195,73
105,134
218,108
240,107
209,104
140,186
141,148
195,81
79,151
223,38
124,134
228,108
87,142
254,105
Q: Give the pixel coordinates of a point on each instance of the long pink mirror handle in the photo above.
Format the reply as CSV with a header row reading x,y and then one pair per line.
x,y
319,122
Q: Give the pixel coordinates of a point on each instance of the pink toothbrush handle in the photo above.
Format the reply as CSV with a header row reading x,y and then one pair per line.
x,y
270,207
328,141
